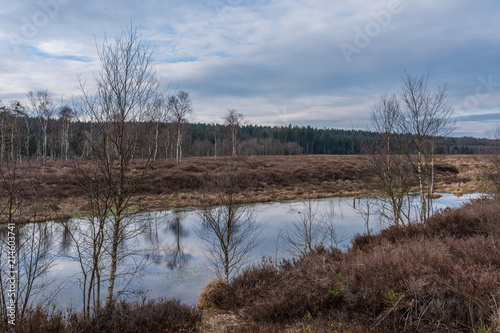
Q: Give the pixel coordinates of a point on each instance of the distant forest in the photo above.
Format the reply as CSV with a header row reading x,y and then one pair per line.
x,y
283,140
67,139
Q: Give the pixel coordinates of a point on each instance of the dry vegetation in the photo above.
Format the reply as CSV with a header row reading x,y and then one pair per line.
x,y
121,317
439,278
271,178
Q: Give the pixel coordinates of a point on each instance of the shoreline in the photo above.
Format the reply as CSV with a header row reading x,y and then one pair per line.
x,y
53,192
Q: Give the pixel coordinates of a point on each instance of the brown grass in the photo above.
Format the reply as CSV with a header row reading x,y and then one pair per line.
x,y
271,178
215,295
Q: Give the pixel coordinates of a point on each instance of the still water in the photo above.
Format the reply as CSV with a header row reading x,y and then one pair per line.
x,y
172,253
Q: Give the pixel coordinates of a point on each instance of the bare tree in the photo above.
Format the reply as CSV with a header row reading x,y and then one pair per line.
x,y
66,115
332,234
311,227
10,130
126,88
89,234
160,116
408,124
493,170
181,108
305,232
16,133
365,208
384,156
226,225
44,107
426,115
25,252
233,121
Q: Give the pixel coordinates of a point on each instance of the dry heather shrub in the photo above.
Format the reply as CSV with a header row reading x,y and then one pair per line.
x,y
290,291
443,277
152,316
392,234
122,317
253,282
478,217
36,320
446,282
216,295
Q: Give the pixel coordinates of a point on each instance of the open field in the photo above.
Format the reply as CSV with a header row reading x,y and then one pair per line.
x,y
55,188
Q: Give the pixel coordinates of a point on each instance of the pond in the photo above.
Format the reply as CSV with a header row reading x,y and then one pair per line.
x,y
171,254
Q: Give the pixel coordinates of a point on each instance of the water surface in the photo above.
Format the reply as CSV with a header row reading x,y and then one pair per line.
x,y
173,254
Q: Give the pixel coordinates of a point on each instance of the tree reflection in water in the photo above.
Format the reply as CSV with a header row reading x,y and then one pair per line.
x,y
152,237
177,257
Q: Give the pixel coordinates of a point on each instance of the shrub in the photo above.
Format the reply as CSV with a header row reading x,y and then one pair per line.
x,y
122,317
37,320
152,316
288,291
441,277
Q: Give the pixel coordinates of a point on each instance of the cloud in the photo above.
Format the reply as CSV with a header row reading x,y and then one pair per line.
x,y
260,55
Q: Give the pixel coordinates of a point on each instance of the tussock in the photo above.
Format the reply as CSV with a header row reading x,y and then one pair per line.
x,y
216,295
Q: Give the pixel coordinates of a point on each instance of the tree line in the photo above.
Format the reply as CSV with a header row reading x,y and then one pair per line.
x,y
44,130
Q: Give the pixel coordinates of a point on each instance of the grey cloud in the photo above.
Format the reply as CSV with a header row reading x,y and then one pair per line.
x,y
267,53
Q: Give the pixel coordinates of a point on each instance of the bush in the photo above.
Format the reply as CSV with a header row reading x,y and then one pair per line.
x,y
441,277
152,316
37,320
290,290
119,317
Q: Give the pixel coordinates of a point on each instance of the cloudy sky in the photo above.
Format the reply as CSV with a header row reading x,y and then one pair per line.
x,y
304,62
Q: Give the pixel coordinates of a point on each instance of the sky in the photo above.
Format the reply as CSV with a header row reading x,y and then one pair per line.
x,y
322,63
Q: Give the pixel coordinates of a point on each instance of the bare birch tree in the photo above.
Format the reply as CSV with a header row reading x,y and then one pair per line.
x,y
408,124
233,120
305,231
25,251
312,226
181,108
228,226
119,107
89,234
384,156
44,107
426,115
160,116
66,115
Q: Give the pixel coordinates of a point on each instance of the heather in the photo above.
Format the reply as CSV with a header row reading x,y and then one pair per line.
x,y
438,277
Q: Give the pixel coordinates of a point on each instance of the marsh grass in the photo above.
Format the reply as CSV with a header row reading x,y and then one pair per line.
x,y
270,178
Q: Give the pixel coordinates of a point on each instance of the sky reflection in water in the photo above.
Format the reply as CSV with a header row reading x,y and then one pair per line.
x,y
176,266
